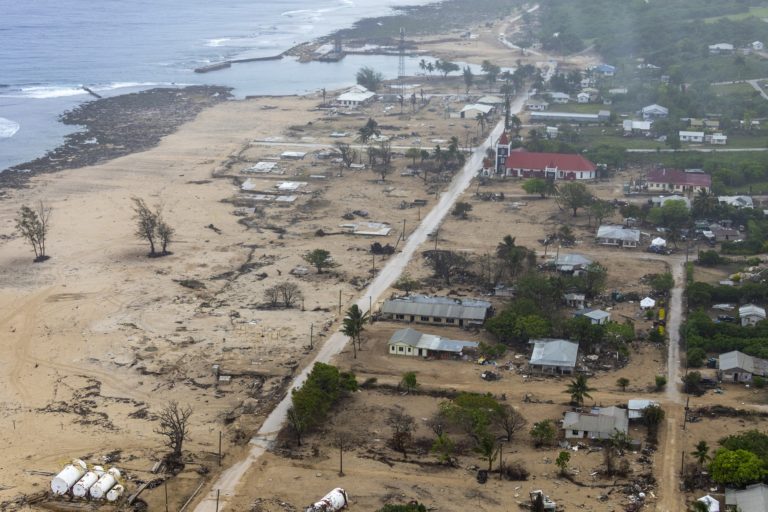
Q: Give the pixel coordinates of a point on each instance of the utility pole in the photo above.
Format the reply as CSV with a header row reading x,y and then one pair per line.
x,y
219,447
339,301
373,264
370,309
311,332
341,453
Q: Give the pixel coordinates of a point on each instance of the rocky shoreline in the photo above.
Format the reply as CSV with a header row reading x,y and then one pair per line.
x,y
118,126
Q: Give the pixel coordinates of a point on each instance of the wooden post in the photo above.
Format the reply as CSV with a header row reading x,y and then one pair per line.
x,y
341,456
165,484
370,309
311,332
339,301
217,500
219,447
373,264
403,230
501,460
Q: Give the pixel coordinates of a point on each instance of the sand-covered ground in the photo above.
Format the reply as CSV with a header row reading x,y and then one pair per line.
x,y
98,339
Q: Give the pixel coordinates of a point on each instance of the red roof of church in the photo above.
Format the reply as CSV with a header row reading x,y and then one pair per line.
x,y
678,177
563,161
503,140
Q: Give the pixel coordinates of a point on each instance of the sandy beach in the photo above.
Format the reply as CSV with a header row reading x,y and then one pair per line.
x,y
98,339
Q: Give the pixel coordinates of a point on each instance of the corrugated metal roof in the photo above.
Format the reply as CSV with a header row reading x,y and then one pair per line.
x,y
541,161
442,307
736,360
550,352
636,407
754,497
430,341
751,309
618,233
605,421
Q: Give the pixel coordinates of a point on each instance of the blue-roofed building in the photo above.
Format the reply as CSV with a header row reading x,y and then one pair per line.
x,y
604,69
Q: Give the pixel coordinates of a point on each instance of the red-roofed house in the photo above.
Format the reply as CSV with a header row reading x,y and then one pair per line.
x,y
554,166
674,180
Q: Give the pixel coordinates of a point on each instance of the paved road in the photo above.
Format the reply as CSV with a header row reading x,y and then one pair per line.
x,y
228,481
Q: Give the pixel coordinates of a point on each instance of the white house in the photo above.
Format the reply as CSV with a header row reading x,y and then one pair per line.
x,y
686,136
559,97
582,97
736,201
574,300
718,139
601,423
736,366
536,105
553,356
409,342
617,235
355,97
473,110
751,314
552,132
635,407
719,48
655,112
636,127
596,316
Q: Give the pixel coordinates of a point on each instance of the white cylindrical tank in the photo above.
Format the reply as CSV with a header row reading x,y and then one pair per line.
x,y
332,502
68,476
115,492
80,489
100,489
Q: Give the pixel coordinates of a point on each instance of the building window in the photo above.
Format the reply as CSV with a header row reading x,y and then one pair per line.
x,y
437,319
575,432
425,319
450,320
400,317
399,349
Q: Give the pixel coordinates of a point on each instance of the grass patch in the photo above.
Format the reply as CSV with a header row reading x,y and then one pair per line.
x,y
734,89
756,12
577,108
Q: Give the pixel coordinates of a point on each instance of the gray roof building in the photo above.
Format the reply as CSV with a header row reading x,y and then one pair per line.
x,y
430,342
421,306
554,353
601,423
637,406
570,262
754,497
736,361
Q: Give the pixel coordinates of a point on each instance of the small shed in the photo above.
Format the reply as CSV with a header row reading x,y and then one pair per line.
x,y
736,366
712,504
636,407
574,300
751,314
597,316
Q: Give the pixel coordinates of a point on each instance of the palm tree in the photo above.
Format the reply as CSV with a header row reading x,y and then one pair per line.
x,y
514,256
579,390
481,119
515,124
705,205
701,453
354,325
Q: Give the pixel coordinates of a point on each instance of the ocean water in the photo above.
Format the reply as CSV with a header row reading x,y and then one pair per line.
x,y
49,49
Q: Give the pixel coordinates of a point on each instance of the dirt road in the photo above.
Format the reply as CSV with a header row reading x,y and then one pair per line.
x,y
671,439
228,481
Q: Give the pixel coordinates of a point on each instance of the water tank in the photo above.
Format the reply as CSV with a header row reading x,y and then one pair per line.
x,y
68,477
115,493
80,489
331,502
100,489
